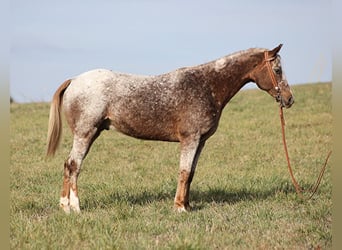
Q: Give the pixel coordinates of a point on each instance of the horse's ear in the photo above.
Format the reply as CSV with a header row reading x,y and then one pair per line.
x,y
275,51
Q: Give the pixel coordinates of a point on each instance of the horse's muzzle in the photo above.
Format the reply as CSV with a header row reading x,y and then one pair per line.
x,y
285,103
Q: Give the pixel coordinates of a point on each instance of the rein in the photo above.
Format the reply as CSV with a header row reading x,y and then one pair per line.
x,y
300,191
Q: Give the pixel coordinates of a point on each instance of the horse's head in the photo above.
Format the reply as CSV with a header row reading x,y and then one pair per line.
x,y
270,77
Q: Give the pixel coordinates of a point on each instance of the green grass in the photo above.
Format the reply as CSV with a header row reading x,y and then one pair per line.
x,y
242,195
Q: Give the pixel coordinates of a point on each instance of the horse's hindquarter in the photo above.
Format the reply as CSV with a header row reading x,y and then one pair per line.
x,y
85,101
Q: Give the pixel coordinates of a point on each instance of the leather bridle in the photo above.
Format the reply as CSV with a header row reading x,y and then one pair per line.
x,y
273,79
269,68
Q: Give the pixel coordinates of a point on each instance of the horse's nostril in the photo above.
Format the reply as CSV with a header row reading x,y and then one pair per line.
x,y
291,100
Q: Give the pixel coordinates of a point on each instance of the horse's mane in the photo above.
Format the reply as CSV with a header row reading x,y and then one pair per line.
x,y
243,52
226,59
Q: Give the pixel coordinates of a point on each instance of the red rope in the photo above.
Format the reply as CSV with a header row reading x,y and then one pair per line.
x,y
299,190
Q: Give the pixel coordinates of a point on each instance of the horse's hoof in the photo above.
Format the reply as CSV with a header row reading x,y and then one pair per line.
x,y
76,209
66,208
181,210
64,204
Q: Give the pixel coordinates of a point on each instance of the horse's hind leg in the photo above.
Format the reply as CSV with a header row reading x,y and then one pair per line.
x,y
72,166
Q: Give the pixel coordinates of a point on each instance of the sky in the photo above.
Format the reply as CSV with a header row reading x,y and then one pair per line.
x,y
52,41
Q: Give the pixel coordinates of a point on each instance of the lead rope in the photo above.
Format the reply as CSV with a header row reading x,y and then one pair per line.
x,y
299,190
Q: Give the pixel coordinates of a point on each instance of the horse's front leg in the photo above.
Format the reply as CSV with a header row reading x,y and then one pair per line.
x,y
190,151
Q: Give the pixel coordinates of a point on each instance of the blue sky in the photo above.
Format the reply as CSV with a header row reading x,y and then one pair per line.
x,y
52,41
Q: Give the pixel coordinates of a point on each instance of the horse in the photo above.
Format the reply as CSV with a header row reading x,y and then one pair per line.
x,y
182,106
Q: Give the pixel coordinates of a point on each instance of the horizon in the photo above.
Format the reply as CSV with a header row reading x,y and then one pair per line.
x,y
249,86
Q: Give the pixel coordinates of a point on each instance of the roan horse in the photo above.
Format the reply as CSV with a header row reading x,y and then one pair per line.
x,y
183,106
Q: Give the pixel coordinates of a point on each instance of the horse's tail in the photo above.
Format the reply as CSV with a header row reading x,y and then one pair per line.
x,y
55,121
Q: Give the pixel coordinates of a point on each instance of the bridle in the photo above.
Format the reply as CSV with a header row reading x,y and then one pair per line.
x,y
269,68
270,72
298,188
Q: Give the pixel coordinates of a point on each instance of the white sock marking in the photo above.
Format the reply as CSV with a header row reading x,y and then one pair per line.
x,y
64,203
74,202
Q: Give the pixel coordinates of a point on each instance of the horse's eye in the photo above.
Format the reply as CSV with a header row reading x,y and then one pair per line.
x,y
277,70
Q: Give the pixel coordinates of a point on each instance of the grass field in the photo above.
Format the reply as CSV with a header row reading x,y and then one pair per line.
x,y
242,195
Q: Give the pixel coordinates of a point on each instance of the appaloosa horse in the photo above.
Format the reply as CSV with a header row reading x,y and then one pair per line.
x,y
183,106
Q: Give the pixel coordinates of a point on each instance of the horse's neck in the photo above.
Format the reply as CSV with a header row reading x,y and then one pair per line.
x,y
229,74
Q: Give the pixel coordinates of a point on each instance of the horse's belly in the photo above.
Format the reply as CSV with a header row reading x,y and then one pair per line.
x,y
149,128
